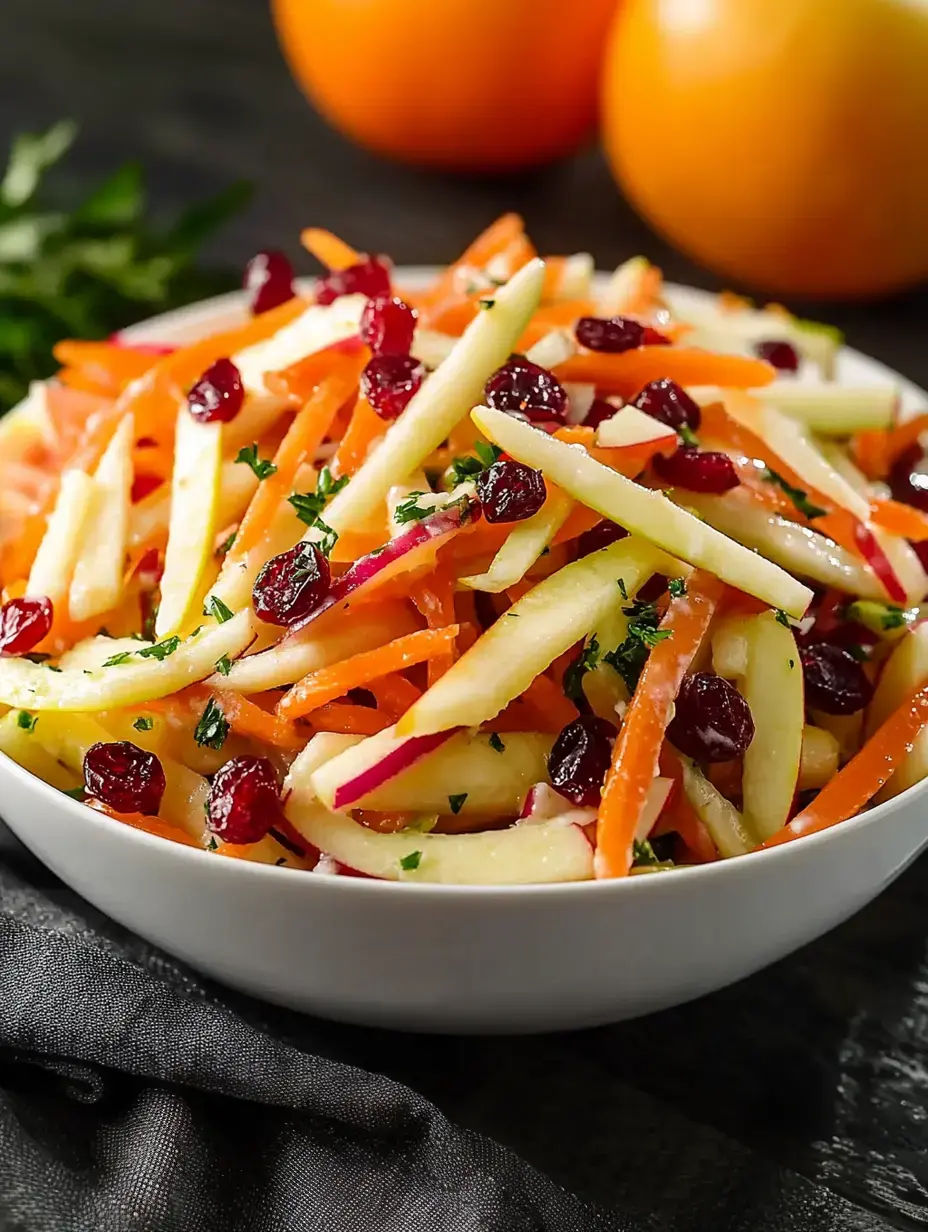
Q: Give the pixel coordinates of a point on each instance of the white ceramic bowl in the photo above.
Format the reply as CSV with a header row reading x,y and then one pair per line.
x,y
476,959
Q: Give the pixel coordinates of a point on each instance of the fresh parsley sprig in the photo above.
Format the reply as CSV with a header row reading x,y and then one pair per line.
x,y
799,498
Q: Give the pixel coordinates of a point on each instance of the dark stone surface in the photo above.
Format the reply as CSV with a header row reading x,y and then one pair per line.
x,y
809,1078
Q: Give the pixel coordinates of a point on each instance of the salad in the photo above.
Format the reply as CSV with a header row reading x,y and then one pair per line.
x,y
521,577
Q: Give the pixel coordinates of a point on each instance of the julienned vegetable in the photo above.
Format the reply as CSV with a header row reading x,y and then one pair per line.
x,y
463,585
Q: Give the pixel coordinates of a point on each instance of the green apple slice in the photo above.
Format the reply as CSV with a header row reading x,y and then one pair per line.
x,y
629,426
194,500
142,677
544,623
54,562
773,688
720,817
23,746
152,515
905,669
800,549
730,647
643,512
486,776
318,645
98,572
526,854
834,410
821,755
523,546
443,400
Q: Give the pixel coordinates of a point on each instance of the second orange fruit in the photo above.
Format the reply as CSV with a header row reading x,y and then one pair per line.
x,y
467,85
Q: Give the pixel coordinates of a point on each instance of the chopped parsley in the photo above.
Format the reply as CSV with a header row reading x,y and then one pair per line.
x,y
410,862
782,618
213,728
410,510
143,723
456,803
309,507
467,467
214,606
148,624
643,635
796,495
485,303
677,588
687,435
226,544
223,665
622,590
792,663
160,650
496,744
76,793
262,468
116,659
212,845
584,662
26,721
643,854
858,652
893,617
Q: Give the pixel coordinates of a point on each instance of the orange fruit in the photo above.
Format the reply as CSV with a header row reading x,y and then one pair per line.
x,y
782,144
467,85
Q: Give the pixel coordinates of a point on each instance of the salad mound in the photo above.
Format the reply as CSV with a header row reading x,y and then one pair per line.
x,y
523,577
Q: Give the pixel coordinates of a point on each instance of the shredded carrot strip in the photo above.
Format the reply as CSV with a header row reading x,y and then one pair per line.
x,y
494,240
394,694
875,452
636,757
364,428
328,683
151,825
301,380
354,720
679,817
301,442
109,367
552,710
863,776
903,520
626,373
249,719
327,248
435,600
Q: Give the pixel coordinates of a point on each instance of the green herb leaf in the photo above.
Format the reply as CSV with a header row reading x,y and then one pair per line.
x,y
796,495
26,721
643,854
456,803
782,618
584,662
643,635
410,862
488,454
226,544
622,591
144,723
687,435
485,303
116,659
893,617
223,665
213,728
410,510
160,650
309,506
214,606
261,467
212,845
858,652
677,588
76,793
496,744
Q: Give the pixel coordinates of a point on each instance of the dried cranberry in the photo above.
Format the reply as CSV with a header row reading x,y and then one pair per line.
x,y
599,410
599,536
835,682
580,758
667,402
127,778
370,277
23,624
527,389
389,382
613,335
218,395
244,800
510,492
291,585
782,355
908,479
697,470
712,721
388,325
269,278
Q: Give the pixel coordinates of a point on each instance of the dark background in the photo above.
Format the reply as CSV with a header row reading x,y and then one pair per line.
x,y
805,1088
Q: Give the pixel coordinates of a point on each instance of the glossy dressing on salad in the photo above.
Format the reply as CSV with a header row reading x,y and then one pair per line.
x,y
518,578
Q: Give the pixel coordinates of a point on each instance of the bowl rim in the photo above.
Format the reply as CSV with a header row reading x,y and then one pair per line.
x,y
203,312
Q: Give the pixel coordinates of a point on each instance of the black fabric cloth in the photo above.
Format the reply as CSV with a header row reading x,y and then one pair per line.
x,y
136,1096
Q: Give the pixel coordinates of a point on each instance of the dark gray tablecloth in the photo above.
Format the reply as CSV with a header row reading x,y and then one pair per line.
x,y
794,1100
